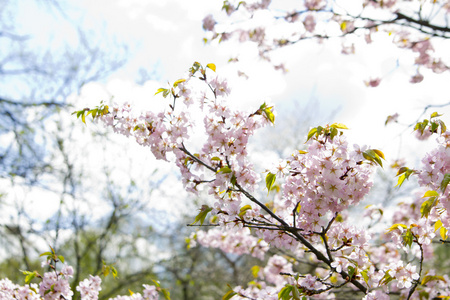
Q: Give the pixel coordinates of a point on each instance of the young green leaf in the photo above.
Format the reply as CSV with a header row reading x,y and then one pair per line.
x,y
224,170
29,276
427,205
311,133
434,115
408,238
270,180
230,294
333,132
202,215
443,127
374,155
430,194
166,294
295,293
269,115
397,227
428,278
445,182
443,232
386,278
160,90
338,126
176,83
211,66
365,275
243,210
405,173
255,271
156,282
285,292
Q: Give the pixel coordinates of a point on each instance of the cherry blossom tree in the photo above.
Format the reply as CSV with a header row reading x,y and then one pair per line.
x,y
310,191
297,220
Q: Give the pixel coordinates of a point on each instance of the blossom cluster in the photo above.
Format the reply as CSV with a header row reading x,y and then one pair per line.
x,y
436,167
327,179
239,241
223,154
55,286
411,25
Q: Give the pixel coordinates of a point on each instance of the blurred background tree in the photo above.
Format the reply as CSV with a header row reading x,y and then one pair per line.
x,y
48,194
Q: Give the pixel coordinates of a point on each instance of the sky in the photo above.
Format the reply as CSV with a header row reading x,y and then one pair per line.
x,y
165,38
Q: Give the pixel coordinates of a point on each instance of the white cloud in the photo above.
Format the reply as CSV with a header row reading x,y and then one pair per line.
x,y
160,23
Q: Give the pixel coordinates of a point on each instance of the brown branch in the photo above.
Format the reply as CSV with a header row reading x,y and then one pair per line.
x,y
425,23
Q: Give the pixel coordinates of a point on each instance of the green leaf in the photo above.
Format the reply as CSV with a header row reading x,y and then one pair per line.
x,y
269,114
402,170
156,282
351,271
285,292
443,233
445,182
338,126
233,180
396,227
365,276
114,272
379,153
166,294
29,276
311,132
230,294
408,238
160,90
333,132
430,194
426,206
224,170
255,271
434,115
400,181
270,180
406,172
176,83
437,225
202,215
61,258
211,66
434,127
386,278
166,93
428,278
443,127
295,293
320,129
243,210
374,155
